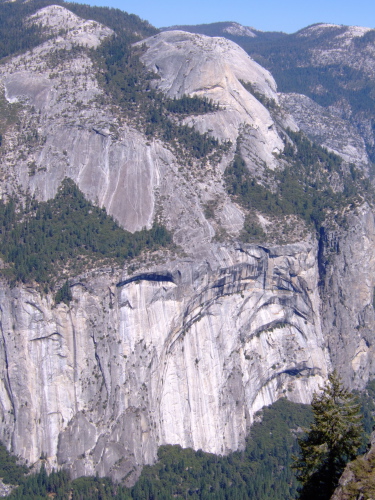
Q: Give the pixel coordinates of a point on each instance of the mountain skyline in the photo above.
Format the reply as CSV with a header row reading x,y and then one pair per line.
x,y
265,16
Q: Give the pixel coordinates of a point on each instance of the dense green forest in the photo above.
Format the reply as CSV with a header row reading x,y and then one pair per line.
x,y
40,240
16,36
302,188
10,471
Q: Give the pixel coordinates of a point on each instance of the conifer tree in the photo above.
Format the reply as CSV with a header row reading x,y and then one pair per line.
x,y
332,441
64,294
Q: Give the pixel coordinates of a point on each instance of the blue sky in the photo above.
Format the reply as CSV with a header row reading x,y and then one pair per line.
x,y
267,15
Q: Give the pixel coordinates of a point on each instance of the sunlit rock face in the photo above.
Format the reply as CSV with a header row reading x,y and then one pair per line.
x,y
328,129
348,307
74,135
183,351
190,64
183,355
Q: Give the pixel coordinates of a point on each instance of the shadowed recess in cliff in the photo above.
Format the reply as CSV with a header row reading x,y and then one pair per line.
x,y
148,277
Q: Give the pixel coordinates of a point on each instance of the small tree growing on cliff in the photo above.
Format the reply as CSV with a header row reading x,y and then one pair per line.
x,y
332,441
64,294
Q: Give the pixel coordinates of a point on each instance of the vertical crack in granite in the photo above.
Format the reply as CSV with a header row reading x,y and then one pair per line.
x,y
75,379
7,381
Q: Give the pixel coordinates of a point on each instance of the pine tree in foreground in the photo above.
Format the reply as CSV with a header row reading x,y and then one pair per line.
x,y
332,441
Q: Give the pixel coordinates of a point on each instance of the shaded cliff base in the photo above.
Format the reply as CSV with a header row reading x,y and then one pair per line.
x,y
259,471
262,470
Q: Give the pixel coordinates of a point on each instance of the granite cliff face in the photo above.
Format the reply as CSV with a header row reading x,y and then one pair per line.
x,y
182,355
186,349
348,296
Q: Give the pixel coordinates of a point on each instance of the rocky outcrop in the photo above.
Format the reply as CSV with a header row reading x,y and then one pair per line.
x,y
340,57
344,46
327,129
191,64
357,480
68,29
67,132
236,29
5,489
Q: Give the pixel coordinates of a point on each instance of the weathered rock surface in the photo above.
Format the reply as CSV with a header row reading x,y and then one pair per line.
x,y
112,163
68,28
213,67
239,30
184,355
347,55
357,480
327,129
185,351
5,489
344,46
332,64
348,308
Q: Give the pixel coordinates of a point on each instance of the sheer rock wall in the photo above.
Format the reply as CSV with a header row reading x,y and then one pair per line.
x,y
183,355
